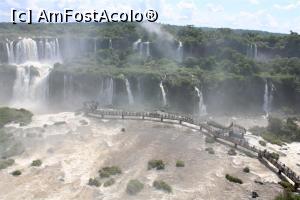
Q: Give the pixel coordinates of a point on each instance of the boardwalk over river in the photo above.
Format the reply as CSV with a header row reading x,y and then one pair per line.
x,y
209,128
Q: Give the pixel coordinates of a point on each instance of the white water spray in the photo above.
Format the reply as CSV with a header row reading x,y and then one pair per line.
x,y
129,93
201,105
163,92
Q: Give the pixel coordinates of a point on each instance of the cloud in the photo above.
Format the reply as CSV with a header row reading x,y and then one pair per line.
x,y
287,7
215,8
256,2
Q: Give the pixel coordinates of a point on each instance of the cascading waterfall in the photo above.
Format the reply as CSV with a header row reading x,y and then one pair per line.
x,y
268,98
142,47
106,91
163,92
201,105
136,44
129,93
31,88
252,51
179,51
10,51
52,52
26,50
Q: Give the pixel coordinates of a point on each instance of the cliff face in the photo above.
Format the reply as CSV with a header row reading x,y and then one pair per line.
x,y
156,60
7,79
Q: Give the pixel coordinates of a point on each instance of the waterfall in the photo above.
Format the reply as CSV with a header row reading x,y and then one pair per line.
x,y
179,51
142,47
163,93
252,51
106,91
201,105
31,88
129,93
110,44
51,50
34,61
136,44
10,51
26,50
268,98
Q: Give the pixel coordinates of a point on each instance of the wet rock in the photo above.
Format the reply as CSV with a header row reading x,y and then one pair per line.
x,y
232,152
259,182
60,123
254,195
83,122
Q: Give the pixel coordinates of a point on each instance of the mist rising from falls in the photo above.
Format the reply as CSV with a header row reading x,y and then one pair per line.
x,y
129,93
201,106
268,98
106,92
163,93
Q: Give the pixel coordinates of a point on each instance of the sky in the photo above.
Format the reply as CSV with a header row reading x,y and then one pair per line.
x,y
273,16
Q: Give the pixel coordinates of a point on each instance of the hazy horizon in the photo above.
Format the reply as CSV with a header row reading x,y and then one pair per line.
x,y
277,16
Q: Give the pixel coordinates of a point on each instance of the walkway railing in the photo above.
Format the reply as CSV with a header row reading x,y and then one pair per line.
x,y
215,130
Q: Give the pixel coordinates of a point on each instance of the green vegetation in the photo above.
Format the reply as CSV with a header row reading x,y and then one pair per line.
x,y
233,179
262,143
275,156
279,131
209,140
94,182
156,164
180,163
109,182
288,196
8,115
36,163
134,187
6,163
161,185
106,172
16,173
287,186
210,150
246,170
